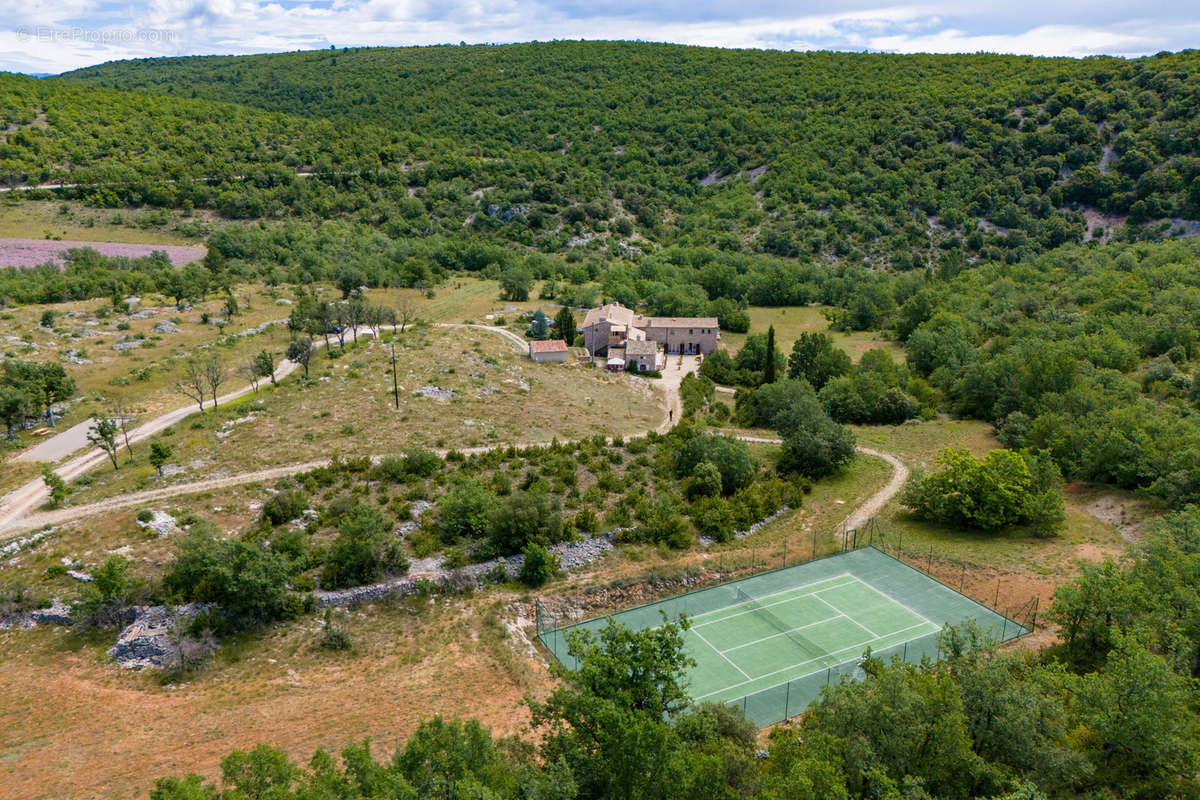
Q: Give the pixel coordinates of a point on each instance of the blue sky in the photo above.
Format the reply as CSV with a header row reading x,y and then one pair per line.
x,y
50,36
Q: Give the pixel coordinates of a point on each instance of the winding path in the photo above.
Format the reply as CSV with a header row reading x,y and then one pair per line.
x,y
17,509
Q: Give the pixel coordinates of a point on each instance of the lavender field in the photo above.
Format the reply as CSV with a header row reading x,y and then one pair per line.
x,y
23,253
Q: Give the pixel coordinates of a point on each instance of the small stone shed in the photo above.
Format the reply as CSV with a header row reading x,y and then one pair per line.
x,y
549,350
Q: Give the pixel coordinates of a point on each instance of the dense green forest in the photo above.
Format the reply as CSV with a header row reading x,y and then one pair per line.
x,y
1108,713
897,161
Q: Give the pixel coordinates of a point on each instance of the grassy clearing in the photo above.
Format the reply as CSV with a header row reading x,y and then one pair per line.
x,y
1085,537
143,379
499,397
51,219
792,321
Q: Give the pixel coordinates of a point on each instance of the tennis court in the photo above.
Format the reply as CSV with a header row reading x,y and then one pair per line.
x,y
770,641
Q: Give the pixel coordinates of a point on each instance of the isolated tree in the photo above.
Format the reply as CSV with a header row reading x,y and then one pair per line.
x,y
103,434
264,365
248,369
16,406
55,485
192,382
121,415
406,312
160,454
322,321
769,365
564,325
300,351
813,444
817,359
55,386
540,327
214,376
341,322
515,283
356,314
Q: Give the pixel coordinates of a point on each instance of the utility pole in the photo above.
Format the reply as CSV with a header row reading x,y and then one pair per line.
x,y
395,381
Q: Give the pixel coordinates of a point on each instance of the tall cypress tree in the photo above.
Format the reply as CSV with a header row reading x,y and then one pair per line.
x,y
564,325
769,367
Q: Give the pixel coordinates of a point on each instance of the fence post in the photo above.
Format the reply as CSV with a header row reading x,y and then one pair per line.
x,y
997,601
962,582
814,552
905,656
1033,621
929,561
855,545
1004,628
828,672
787,699
785,551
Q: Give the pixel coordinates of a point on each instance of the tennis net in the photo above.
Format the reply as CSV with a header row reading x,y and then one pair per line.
x,y
811,649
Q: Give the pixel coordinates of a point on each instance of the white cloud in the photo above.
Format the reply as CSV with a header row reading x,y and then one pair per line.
x,y
66,34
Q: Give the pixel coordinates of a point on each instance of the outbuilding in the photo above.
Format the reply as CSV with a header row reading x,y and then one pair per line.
x,y
549,350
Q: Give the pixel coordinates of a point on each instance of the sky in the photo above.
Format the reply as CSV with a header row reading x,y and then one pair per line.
x,y
52,36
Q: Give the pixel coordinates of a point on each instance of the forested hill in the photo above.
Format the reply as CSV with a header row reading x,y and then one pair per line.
x,y
896,160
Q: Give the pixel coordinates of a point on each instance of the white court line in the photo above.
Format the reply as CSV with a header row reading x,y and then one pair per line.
x,y
847,616
785,633
886,596
760,604
722,655
802,663
803,589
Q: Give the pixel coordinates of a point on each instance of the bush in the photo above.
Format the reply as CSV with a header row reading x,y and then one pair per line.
x,y
714,518
363,551
247,581
989,493
813,445
463,511
524,518
333,635
540,566
731,457
285,506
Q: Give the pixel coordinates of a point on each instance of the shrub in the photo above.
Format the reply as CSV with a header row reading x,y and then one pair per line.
x,y
989,493
285,506
524,518
247,581
540,565
363,551
731,458
333,635
463,511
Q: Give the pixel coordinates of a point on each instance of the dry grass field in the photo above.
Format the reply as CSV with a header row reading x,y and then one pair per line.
x,y
459,388
72,726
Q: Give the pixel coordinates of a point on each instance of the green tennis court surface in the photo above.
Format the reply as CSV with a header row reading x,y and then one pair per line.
x,y
770,641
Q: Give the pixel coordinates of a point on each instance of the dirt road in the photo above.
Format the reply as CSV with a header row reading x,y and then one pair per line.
x,y
17,508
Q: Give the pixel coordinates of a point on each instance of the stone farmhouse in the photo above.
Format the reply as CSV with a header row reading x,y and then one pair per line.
x,y
618,332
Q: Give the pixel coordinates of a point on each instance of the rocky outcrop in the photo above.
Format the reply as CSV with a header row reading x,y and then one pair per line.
x,y
148,640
